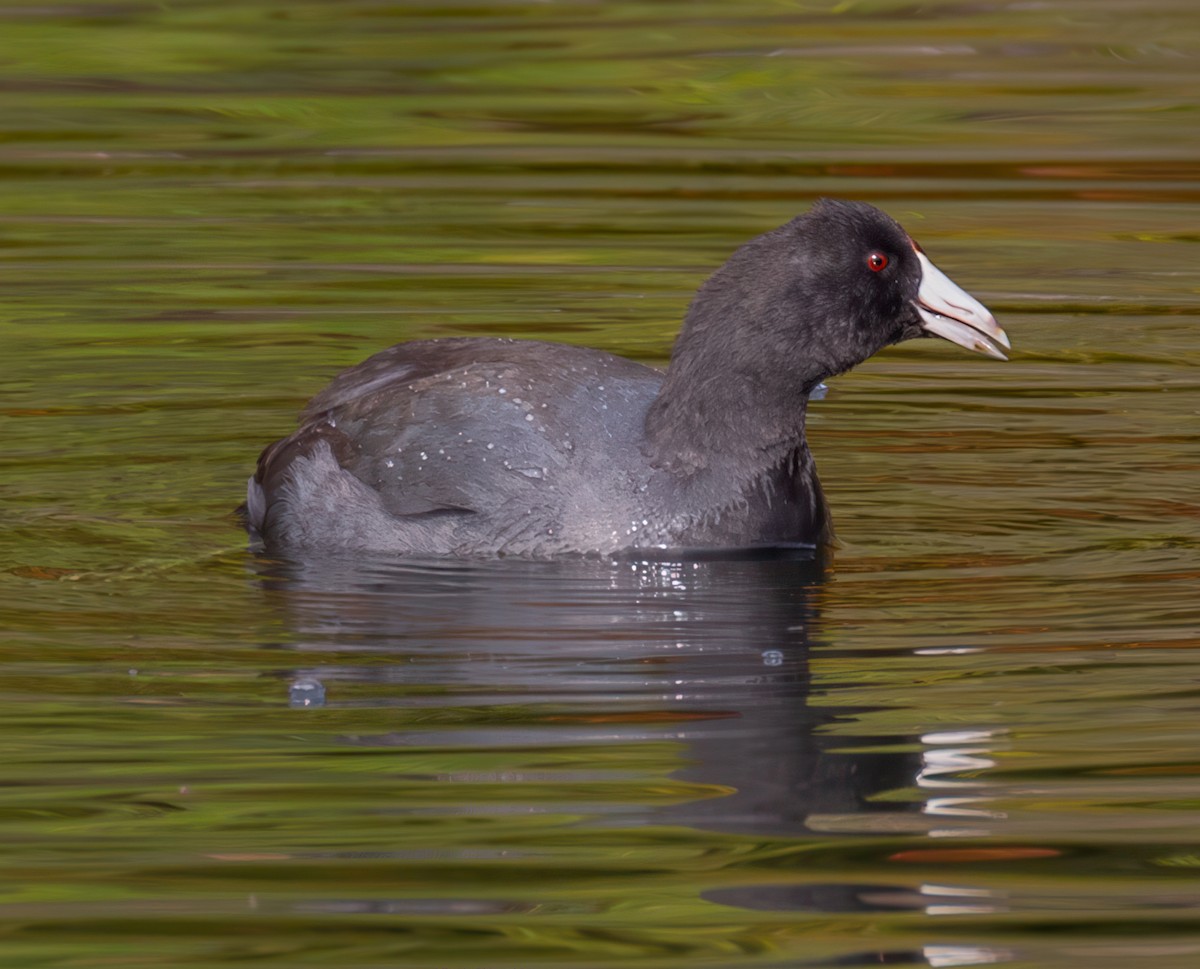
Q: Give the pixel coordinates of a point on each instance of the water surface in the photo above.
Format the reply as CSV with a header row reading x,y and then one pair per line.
x,y
968,738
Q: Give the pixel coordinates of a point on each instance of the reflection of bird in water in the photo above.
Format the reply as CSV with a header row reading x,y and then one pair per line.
x,y
710,658
655,706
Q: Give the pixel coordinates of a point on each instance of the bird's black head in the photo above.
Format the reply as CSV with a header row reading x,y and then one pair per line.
x,y
832,287
800,303
853,284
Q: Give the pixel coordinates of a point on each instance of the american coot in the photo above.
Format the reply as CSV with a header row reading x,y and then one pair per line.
x,y
511,447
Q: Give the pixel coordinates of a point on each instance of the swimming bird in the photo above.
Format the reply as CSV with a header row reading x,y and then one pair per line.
x,y
491,447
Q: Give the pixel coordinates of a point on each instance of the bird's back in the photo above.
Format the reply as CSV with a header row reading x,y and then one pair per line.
x,y
470,445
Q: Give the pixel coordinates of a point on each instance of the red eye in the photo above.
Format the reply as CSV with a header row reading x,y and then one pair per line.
x,y
877,261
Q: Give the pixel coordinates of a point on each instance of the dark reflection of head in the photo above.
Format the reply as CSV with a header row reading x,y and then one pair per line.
x,y
710,654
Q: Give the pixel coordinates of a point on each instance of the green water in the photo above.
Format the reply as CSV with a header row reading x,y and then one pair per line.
x,y
972,740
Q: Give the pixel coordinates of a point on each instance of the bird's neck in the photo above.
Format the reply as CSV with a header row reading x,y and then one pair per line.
x,y
738,425
715,410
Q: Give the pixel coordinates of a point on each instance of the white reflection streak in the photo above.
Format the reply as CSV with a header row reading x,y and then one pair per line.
x,y
966,901
963,955
939,764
